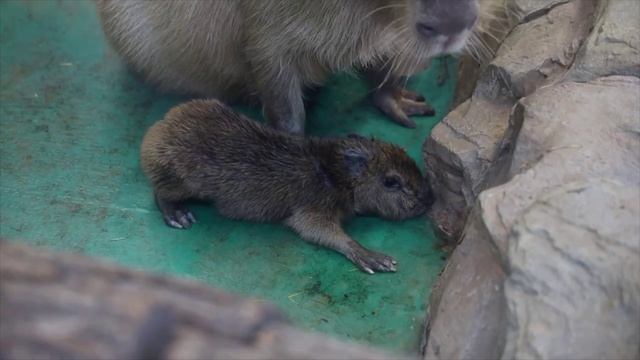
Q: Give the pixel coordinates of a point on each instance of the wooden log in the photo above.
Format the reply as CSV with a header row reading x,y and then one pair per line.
x,y
55,306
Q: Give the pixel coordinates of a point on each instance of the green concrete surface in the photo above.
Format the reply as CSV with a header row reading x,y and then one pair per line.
x,y
72,118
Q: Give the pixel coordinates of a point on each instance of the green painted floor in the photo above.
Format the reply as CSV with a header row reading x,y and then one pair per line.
x,y
72,118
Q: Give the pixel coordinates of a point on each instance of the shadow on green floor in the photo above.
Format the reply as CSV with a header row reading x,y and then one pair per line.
x,y
72,118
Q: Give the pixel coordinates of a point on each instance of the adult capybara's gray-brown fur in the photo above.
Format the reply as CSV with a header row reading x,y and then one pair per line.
x,y
204,150
273,49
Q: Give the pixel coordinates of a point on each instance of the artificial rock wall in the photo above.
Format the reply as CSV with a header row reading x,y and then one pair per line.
x,y
537,170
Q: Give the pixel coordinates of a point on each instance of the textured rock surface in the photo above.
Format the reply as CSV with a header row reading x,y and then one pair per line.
x,y
614,46
564,230
570,132
574,284
529,9
568,222
468,302
458,152
464,146
539,51
496,19
546,153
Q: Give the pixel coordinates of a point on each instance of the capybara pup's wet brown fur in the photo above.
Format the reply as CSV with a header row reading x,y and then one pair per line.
x,y
205,150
